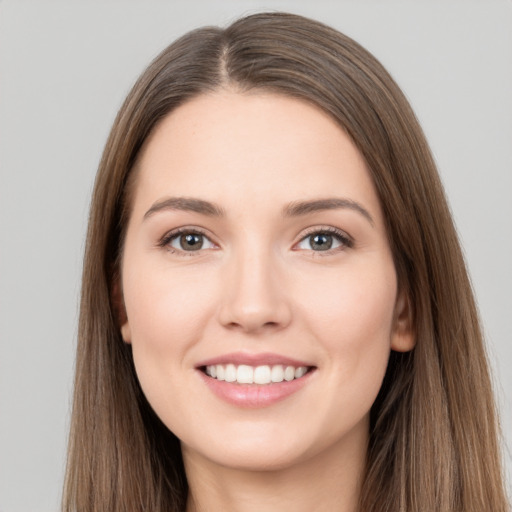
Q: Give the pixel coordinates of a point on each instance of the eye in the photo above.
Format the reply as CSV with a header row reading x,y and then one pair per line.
x,y
187,241
324,240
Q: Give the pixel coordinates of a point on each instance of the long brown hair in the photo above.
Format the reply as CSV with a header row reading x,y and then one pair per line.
x,y
433,439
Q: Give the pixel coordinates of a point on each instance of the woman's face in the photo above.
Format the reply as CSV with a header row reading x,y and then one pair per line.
x,y
259,287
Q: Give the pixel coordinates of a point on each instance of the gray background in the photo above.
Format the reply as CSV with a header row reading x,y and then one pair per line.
x,y
64,70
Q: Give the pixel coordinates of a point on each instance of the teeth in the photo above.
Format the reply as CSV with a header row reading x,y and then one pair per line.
x,y
211,371
244,374
299,372
277,373
262,375
289,373
230,375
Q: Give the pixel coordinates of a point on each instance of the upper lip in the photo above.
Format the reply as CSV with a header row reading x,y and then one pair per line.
x,y
267,358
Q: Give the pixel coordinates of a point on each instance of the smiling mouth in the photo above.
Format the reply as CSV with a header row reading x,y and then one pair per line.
x,y
262,375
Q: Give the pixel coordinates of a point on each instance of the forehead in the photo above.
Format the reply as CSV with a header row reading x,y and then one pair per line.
x,y
229,145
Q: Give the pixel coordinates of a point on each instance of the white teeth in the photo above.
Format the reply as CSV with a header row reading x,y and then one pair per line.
x,y
230,375
300,371
262,375
244,374
289,373
265,374
277,374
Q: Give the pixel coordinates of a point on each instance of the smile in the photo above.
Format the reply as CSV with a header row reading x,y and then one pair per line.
x,y
255,380
264,374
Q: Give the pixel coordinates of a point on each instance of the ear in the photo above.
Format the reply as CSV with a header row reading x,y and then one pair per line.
x,y
126,332
120,312
403,338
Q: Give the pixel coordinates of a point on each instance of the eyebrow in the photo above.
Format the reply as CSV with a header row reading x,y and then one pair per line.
x,y
298,208
189,204
294,209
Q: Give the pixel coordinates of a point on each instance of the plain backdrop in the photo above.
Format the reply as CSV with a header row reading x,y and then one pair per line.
x,y
65,68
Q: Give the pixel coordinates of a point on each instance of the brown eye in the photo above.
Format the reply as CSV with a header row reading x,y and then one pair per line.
x,y
190,242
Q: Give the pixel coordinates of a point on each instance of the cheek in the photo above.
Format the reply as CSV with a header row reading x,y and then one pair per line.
x,y
352,318
355,303
165,308
167,313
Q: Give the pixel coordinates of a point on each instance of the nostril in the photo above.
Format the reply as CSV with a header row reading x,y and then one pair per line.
x,y
253,304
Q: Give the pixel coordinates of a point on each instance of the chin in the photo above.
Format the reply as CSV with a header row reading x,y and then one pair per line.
x,y
251,458
275,447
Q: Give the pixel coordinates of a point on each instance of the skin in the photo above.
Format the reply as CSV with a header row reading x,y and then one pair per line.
x,y
257,285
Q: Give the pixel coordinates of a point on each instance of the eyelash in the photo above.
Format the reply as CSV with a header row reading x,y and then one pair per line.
x,y
345,241
166,240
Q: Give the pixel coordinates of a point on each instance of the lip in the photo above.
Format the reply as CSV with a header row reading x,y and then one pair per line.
x,y
253,396
266,358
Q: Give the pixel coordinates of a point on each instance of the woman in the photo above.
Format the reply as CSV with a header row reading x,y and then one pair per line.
x,y
275,309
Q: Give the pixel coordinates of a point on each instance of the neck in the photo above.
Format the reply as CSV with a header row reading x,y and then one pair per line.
x,y
330,480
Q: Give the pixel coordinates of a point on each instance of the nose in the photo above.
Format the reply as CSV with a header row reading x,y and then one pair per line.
x,y
254,296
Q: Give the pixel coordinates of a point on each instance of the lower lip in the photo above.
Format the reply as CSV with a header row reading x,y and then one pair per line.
x,y
254,395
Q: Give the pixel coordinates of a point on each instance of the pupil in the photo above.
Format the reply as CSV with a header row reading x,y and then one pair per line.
x,y
321,242
191,241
